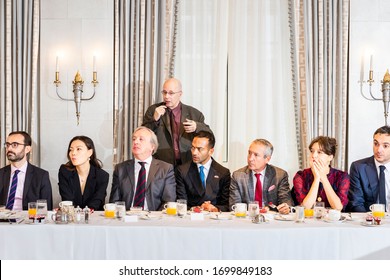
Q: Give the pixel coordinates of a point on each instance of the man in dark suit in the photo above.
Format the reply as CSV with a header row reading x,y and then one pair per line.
x,y
213,193
174,123
31,182
260,180
364,175
144,181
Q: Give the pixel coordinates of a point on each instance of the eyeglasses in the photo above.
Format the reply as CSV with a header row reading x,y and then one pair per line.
x,y
14,145
164,92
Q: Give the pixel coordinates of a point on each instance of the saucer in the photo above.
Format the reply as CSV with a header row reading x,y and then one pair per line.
x,y
341,220
136,213
150,217
288,217
221,217
370,225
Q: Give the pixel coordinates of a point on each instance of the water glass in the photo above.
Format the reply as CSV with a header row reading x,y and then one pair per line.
x,y
319,209
253,208
120,209
181,207
41,209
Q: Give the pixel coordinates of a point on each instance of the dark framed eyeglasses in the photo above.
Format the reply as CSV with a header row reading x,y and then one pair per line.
x,y
14,145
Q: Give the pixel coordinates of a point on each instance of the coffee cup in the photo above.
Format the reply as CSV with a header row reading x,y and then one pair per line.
x,y
334,215
171,208
109,210
378,210
239,210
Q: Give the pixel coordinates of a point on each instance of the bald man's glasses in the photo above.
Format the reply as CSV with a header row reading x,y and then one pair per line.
x,y
171,93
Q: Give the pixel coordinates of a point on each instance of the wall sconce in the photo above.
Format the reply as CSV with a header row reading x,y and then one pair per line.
x,y
78,84
385,89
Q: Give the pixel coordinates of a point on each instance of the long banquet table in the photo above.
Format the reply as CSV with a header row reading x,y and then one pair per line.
x,y
185,239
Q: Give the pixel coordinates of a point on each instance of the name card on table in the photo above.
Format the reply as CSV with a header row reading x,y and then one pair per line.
x,y
131,219
197,216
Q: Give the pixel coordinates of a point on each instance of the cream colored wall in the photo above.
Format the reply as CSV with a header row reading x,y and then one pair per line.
x,y
369,27
75,30
78,29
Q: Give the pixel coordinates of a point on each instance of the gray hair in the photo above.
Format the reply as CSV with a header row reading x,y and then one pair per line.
x,y
153,137
269,149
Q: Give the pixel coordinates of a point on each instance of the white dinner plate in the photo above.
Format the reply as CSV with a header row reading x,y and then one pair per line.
x,y
136,213
150,217
341,220
288,217
222,217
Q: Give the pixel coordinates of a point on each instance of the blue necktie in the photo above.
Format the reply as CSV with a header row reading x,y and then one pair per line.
x,y
202,177
139,197
382,185
12,191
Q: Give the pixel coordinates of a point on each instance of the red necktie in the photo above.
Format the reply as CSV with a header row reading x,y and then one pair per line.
x,y
259,190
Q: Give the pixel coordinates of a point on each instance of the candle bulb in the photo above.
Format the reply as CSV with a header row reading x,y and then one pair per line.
x,y
57,65
94,63
371,59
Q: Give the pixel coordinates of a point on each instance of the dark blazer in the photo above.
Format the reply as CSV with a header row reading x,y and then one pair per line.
x,y
189,185
160,185
36,186
364,186
275,186
162,129
95,188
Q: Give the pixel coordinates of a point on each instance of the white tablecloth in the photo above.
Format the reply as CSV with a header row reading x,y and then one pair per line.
x,y
178,238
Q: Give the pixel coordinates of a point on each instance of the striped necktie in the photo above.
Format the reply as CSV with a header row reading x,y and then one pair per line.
x,y
139,197
12,191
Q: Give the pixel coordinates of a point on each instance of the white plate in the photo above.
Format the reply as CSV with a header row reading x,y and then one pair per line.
x,y
150,217
221,217
370,225
288,217
342,220
136,213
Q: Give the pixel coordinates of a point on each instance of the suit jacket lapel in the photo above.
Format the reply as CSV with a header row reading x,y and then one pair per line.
x,y
167,122
149,191
91,181
249,184
27,180
194,176
372,177
185,114
130,174
5,182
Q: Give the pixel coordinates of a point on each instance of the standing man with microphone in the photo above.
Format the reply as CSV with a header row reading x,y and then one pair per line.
x,y
174,123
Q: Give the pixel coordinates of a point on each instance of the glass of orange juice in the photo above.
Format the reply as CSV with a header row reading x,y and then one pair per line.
x,y
378,210
109,210
171,208
309,212
32,209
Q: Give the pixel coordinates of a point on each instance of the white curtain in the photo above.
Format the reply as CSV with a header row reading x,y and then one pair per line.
x,y
19,72
233,58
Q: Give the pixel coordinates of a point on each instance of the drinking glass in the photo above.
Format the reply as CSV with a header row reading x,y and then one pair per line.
x,y
120,209
32,210
181,207
253,208
319,209
41,209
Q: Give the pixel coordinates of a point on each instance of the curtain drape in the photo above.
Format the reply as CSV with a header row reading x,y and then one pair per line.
x,y
233,58
319,54
19,71
144,44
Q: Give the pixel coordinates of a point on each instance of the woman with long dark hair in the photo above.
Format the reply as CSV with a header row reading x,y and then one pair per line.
x,y
82,179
